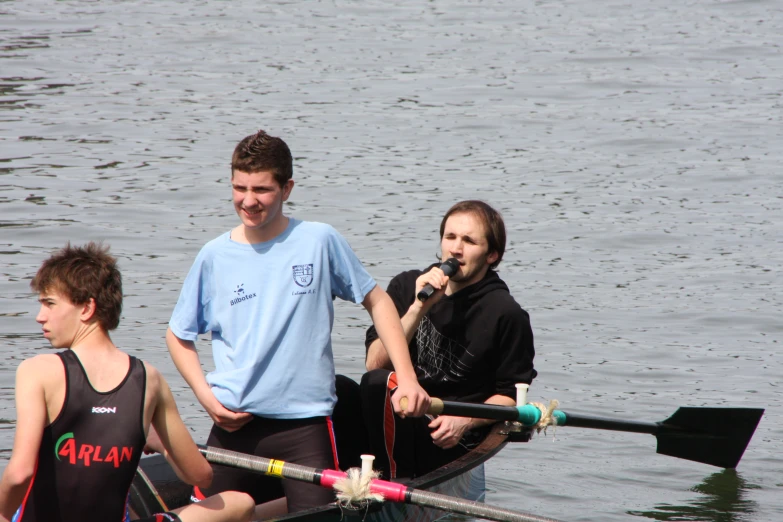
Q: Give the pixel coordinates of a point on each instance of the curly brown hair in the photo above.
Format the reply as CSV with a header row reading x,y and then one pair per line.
x,y
81,274
262,152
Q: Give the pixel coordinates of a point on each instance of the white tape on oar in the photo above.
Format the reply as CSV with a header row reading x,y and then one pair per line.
x,y
367,461
353,491
522,393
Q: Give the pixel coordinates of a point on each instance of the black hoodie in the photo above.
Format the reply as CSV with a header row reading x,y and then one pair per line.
x,y
472,344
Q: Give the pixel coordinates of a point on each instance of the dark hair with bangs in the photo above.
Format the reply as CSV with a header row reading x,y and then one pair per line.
x,y
493,225
81,273
261,152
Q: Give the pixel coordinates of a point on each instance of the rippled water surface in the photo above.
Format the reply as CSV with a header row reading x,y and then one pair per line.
x,y
633,147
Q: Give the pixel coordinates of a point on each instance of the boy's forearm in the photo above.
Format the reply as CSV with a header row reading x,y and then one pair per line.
x,y
200,478
387,323
377,358
384,315
186,359
411,320
11,496
178,446
391,334
31,421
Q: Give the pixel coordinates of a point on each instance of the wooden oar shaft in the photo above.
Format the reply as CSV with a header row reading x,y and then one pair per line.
x,y
391,491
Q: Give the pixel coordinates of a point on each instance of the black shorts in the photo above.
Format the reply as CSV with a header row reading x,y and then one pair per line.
x,y
161,517
308,442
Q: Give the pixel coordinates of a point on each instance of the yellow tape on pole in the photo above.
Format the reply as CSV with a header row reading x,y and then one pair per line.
x,y
275,468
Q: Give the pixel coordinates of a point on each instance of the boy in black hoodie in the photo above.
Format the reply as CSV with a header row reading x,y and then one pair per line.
x,y
470,341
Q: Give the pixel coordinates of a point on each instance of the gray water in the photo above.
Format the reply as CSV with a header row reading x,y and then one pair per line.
x,y
633,147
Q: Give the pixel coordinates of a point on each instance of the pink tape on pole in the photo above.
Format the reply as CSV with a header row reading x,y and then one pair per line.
x,y
329,477
390,490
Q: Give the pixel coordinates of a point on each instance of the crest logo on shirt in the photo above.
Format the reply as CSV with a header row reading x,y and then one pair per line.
x,y
303,275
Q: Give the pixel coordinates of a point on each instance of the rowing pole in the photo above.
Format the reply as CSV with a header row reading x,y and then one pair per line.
x,y
715,436
391,491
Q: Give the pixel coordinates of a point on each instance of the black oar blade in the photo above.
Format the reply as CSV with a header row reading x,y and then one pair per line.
x,y
715,436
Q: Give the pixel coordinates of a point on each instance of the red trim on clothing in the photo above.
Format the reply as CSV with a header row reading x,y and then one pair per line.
x,y
388,424
198,494
330,427
27,495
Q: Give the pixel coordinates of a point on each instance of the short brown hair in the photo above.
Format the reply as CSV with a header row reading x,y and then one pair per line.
x,y
493,225
262,152
81,273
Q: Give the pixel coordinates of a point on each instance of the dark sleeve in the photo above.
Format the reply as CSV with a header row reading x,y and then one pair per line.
x,y
401,292
515,359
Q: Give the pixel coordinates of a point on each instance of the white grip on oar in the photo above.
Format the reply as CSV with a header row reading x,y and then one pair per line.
x,y
522,393
367,461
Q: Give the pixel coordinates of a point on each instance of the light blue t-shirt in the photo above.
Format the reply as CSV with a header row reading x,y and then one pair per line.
x,y
269,309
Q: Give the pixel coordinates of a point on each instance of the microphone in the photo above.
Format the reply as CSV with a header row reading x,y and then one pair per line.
x,y
450,266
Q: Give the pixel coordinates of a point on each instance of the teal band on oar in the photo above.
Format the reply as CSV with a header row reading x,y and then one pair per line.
x,y
391,491
530,416
715,436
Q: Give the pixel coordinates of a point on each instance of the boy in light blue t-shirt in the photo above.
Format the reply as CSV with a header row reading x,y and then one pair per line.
x,y
264,291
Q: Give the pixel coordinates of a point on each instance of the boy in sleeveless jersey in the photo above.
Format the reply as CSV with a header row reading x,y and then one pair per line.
x,y
83,414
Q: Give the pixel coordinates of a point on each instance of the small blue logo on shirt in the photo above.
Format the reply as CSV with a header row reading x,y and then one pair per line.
x,y
303,275
241,295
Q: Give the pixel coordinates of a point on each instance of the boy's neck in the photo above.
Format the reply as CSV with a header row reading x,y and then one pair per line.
x,y
93,339
243,234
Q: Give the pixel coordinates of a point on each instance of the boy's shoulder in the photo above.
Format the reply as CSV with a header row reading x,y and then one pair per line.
x,y
42,369
313,227
154,377
45,362
216,244
313,232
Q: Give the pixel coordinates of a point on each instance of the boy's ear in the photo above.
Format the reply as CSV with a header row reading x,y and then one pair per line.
x,y
492,257
88,310
287,188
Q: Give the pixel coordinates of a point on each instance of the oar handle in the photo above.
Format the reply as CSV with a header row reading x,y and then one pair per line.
x,y
528,414
436,406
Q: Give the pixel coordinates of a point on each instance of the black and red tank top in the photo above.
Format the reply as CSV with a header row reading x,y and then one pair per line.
x,y
90,452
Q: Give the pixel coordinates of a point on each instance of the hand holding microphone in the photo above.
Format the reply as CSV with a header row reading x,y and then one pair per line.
x,y
449,267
